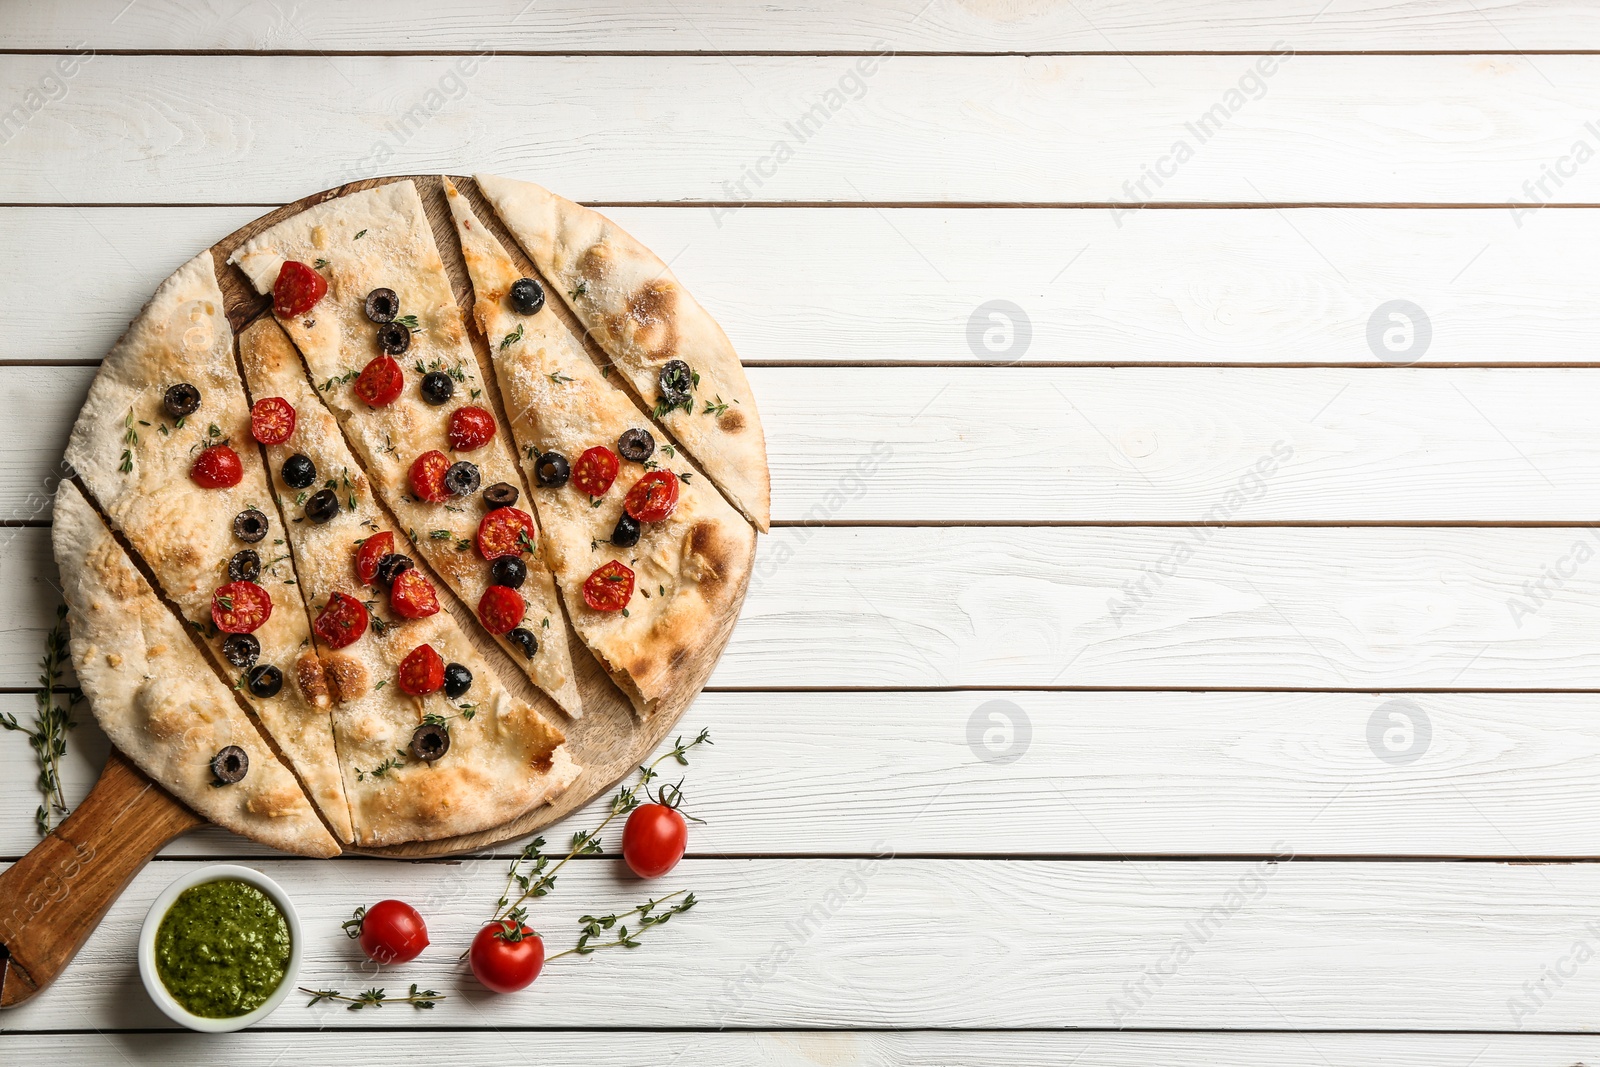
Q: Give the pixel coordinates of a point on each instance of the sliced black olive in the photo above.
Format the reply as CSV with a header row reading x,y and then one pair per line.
x,y
429,742
552,470
391,567
299,472
245,566
322,506
437,387
508,570
457,680
636,445
265,681
500,495
241,650
250,526
181,399
527,296
524,639
230,765
394,338
382,305
626,534
677,382
462,479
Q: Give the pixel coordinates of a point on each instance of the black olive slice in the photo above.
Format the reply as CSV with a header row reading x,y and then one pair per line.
x,y
462,479
394,338
181,399
241,650
636,444
245,566
501,495
523,638
677,382
626,534
250,526
265,681
437,388
457,680
429,742
527,296
391,567
230,765
552,470
322,506
382,305
508,571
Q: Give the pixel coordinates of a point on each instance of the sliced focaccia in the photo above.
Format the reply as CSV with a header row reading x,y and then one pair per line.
x,y
666,344
161,703
431,742
163,446
657,623
360,288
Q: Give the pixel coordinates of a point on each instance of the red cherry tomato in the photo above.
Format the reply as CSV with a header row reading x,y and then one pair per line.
x,y
609,588
412,596
470,428
218,467
272,420
595,470
240,607
422,671
380,382
297,290
507,956
372,550
502,533
653,498
501,608
654,839
342,622
392,932
427,477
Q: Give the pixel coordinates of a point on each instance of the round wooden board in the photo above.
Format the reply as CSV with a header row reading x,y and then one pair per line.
x,y
610,740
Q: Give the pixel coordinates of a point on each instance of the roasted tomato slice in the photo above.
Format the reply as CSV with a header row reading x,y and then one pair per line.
x,y
297,290
372,550
595,470
272,420
218,467
470,428
422,671
380,382
342,621
609,588
505,532
412,595
240,607
501,609
653,497
427,477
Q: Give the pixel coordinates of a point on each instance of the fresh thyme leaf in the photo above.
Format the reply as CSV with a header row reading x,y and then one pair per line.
x,y
374,998
359,236
511,338
581,290
410,323
52,720
319,264
556,378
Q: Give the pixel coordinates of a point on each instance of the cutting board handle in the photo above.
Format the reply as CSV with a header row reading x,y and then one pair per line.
x,y
52,899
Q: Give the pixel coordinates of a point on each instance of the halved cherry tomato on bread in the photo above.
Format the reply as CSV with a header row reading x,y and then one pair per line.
x,y
371,551
218,467
505,532
240,607
470,428
506,956
427,477
390,931
272,420
297,290
342,622
595,470
380,382
422,671
412,596
501,609
609,588
653,497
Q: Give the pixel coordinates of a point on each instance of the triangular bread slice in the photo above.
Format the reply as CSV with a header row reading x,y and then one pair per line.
x,y
690,569
157,698
639,313
135,459
504,757
380,238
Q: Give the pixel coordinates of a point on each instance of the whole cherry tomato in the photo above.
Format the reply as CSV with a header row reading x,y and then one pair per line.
x,y
506,956
654,839
390,931
218,467
297,289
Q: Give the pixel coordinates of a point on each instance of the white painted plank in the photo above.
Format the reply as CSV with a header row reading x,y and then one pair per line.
x,y
210,129
919,943
1089,774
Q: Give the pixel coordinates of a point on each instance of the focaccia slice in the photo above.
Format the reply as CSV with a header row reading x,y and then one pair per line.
x,y
376,239
639,313
136,460
504,758
157,698
689,569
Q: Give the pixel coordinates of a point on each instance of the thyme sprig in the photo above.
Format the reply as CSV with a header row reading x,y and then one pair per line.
x,y
421,999
592,926
52,720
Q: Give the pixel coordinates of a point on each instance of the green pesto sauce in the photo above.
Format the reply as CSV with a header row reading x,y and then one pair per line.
x,y
222,949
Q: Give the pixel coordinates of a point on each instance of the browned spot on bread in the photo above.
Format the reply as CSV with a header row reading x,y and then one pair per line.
x,y
313,682
655,329
731,421
543,763
347,678
709,554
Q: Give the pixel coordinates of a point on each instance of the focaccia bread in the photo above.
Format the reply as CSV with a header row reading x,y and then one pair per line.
x,y
157,698
644,319
380,239
503,757
689,569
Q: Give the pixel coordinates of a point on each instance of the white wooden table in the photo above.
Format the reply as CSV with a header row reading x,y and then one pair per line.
x,y
1181,660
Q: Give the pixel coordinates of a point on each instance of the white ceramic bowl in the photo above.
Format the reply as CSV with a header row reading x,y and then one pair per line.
x,y
217,872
